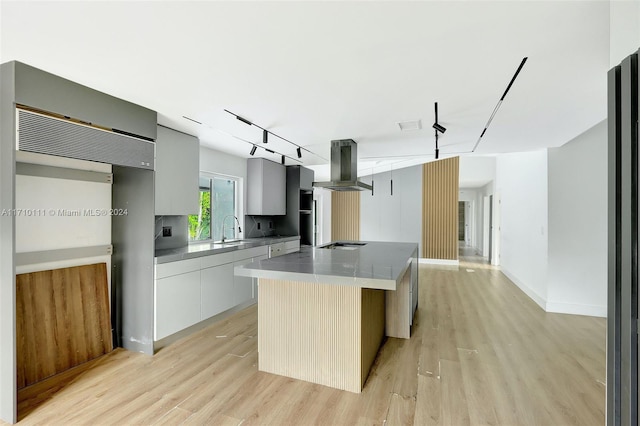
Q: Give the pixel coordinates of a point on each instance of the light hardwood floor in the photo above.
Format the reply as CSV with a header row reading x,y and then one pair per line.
x,y
481,353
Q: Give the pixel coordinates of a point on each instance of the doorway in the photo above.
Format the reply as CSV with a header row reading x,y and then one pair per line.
x,y
461,221
490,236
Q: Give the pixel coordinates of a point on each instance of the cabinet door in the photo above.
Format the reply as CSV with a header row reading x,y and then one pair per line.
x,y
216,287
177,173
306,178
274,189
266,187
177,303
255,280
242,286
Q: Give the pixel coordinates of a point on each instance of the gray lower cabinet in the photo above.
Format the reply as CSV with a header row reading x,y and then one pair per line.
x,y
177,303
217,294
193,290
242,286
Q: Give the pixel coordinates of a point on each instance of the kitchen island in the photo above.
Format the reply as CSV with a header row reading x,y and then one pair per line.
x,y
323,312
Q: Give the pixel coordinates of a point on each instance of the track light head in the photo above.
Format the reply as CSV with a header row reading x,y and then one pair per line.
x,y
270,150
283,159
253,150
299,152
244,120
439,128
265,136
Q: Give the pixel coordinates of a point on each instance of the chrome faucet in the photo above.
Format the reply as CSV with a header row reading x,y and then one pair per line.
x,y
223,220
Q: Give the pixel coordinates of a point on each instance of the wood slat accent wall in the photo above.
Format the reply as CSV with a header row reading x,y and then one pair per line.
x,y
345,215
440,186
311,332
320,333
62,320
372,328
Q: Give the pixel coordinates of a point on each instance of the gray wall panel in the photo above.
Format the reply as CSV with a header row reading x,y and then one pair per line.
x,y
613,295
629,261
397,217
42,90
8,404
133,252
622,321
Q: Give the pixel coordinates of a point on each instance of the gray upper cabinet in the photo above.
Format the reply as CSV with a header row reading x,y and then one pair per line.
x,y
306,178
266,188
177,173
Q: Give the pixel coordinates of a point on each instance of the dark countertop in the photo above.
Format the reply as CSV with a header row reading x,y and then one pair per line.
x,y
378,265
206,249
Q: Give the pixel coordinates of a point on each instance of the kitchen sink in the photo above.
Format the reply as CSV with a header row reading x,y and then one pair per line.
x,y
343,246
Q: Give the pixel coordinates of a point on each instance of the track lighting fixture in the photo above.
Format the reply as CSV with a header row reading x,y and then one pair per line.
x,y
439,128
265,136
254,145
495,110
244,120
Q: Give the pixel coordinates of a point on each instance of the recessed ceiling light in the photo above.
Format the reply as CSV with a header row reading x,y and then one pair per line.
x,y
410,125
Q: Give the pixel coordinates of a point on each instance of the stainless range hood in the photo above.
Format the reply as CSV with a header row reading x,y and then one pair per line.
x,y
344,168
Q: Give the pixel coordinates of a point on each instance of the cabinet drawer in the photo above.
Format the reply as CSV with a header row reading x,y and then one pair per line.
x,y
251,252
164,270
292,245
218,259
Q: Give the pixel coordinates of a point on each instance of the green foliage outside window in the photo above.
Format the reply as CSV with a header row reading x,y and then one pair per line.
x,y
200,224
217,201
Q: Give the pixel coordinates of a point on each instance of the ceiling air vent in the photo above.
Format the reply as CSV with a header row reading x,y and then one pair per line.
x,y
410,125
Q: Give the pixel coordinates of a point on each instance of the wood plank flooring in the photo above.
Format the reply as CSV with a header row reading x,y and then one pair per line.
x,y
481,353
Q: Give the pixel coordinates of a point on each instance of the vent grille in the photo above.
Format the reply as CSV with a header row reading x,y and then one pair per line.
x,y
47,135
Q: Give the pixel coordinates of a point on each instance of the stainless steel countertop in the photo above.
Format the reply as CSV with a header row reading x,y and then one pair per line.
x,y
206,249
377,265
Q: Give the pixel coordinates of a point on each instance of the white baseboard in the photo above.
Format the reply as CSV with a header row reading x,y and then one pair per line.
x,y
577,309
558,307
447,262
541,301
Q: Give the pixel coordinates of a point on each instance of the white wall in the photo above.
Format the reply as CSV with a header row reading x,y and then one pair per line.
x,y
578,225
50,229
522,210
624,29
476,171
213,161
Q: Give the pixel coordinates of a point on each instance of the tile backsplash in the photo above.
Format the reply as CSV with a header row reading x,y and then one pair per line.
x,y
259,226
179,236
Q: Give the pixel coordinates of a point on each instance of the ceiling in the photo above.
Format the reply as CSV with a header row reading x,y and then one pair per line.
x,y
316,71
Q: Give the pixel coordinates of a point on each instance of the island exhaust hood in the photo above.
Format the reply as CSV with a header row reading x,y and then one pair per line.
x,y
344,168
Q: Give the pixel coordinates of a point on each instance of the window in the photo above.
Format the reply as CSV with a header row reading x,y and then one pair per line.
x,y
218,199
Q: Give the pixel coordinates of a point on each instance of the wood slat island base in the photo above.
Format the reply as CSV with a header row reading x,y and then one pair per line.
x,y
320,333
